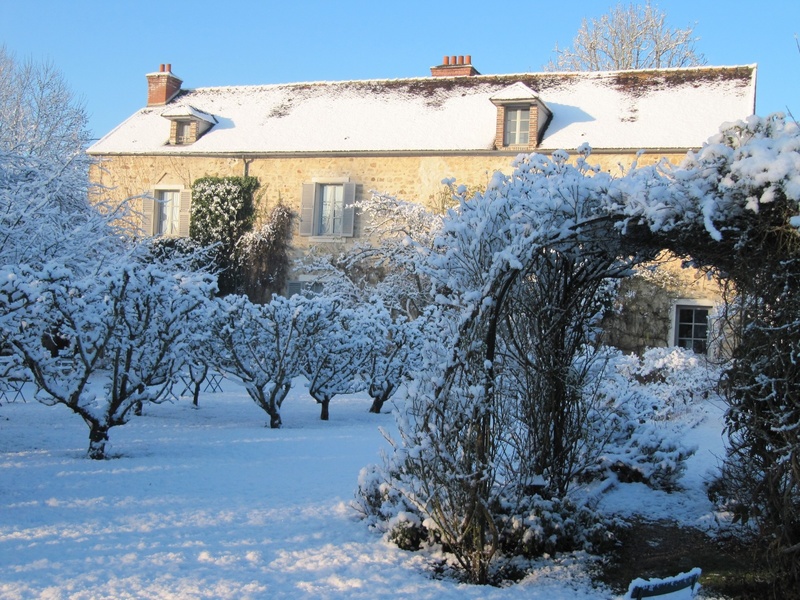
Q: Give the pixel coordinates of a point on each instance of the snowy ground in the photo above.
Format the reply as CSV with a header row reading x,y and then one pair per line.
x,y
208,503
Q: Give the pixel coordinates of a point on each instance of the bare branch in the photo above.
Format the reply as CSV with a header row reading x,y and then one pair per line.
x,y
629,37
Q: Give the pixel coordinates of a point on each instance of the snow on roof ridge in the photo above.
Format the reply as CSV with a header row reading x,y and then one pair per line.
x,y
484,76
651,70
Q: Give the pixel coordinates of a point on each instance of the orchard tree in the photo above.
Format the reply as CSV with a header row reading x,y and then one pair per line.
x,y
394,353
629,37
336,351
121,331
265,345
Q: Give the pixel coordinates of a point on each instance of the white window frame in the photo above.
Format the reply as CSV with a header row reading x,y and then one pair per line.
x,y
167,213
173,223
694,304
330,216
513,116
314,223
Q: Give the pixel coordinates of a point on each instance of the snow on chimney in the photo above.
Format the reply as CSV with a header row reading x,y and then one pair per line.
x,y
162,86
455,66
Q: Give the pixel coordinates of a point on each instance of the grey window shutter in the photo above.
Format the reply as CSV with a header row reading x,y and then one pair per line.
x,y
307,209
185,212
293,287
349,210
148,212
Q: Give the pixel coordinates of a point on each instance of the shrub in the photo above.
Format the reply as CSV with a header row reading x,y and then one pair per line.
x,y
222,211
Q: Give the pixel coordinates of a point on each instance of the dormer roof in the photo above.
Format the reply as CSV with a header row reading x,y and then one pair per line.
x,y
516,92
187,112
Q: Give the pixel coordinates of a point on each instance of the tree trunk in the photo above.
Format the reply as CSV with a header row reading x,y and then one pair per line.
x,y
324,412
196,393
98,436
379,397
197,375
275,420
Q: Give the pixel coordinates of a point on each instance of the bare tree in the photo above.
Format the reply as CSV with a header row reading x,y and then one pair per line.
x,y
629,37
39,114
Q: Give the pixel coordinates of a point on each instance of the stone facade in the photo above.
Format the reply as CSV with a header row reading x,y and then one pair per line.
x,y
404,137
416,178
647,307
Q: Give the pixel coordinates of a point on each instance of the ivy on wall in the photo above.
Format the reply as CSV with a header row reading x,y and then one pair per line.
x,y
223,210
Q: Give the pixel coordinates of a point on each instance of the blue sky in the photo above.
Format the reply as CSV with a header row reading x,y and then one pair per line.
x,y
104,48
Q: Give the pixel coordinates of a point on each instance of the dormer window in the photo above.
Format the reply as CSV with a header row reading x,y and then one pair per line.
x,y
187,124
183,132
521,118
517,129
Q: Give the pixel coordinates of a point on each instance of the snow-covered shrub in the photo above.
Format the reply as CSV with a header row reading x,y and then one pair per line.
x,y
223,210
406,531
675,377
385,509
537,526
640,418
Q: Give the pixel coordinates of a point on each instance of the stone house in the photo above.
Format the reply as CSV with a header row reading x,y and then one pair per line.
x,y
319,147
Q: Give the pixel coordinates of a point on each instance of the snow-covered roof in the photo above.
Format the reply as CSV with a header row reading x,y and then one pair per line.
x,y
669,108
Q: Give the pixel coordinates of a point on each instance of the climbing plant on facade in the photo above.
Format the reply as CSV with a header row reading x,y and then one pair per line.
x,y
223,210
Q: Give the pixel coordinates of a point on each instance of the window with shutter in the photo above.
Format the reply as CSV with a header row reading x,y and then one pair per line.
x,y
168,213
327,209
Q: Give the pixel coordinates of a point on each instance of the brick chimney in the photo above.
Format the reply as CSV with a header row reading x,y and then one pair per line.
x,y
455,66
162,86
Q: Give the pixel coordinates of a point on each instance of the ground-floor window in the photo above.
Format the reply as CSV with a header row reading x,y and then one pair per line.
x,y
303,287
326,209
691,327
167,212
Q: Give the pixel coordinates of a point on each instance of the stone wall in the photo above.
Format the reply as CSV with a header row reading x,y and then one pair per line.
x,y
416,178
643,315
